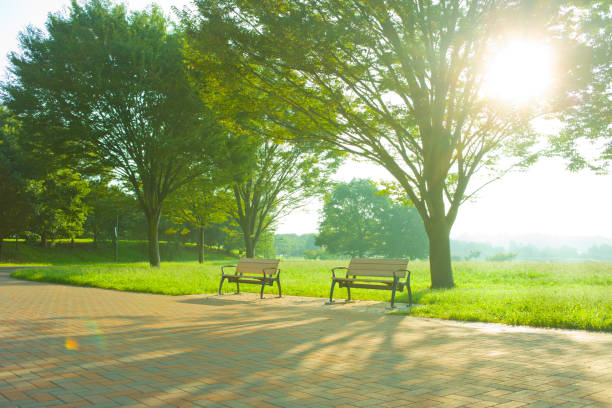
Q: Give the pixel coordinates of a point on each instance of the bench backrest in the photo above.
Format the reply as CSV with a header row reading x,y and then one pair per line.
x,y
251,265
378,267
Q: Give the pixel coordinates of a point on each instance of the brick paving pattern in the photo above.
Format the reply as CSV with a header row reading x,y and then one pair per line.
x,y
71,346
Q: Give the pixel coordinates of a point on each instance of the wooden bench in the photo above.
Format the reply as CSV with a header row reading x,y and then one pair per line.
x,y
257,271
360,274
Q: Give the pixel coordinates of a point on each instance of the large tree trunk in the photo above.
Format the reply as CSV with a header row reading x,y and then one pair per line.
x,y
201,245
95,235
439,254
249,243
153,227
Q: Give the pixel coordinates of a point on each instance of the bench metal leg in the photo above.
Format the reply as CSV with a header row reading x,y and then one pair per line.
x,y
237,287
280,294
263,285
393,293
348,289
409,294
221,285
331,293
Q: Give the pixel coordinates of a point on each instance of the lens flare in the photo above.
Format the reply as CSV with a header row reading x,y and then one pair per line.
x,y
72,344
98,335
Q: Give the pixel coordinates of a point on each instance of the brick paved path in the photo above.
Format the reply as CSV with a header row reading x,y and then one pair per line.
x,y
70,346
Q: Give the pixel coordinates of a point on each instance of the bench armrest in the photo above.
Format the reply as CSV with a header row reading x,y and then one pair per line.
x,y
228,266
401,270
274,270
338,267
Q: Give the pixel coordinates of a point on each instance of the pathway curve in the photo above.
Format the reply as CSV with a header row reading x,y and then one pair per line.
x,y
72,346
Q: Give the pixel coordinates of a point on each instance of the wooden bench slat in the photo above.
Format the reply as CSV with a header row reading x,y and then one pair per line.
x,y
367,286
377,267
372,267
370,272
246,265
259,269
378,261
363,280
253,281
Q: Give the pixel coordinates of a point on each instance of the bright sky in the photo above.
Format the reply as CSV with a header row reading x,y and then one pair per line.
x,y
545,200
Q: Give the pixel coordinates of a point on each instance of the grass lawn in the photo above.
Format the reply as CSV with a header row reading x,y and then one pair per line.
x,y
562,295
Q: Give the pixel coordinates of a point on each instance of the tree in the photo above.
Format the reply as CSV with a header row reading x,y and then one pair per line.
x,y
107,202
199,205
15,208
112,88
293,245
58,203
358,220
403,233
282,178
590,117
226,235
398,83
352,220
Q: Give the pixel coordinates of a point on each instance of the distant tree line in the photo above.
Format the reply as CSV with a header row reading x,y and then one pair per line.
x,y
468,251
360,220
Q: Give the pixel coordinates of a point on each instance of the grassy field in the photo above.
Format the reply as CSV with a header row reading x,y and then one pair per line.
x,y
562,295
84,252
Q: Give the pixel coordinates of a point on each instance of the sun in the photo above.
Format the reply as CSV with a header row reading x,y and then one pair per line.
x,y
519,72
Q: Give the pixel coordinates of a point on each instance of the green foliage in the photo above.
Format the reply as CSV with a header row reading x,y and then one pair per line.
x,y
589,118
359,221
562,295
265,246
109,86
310,254
501,257
15,208
226,235
319,253
472,255
294,245
283,176
105,203
198,204
397,83
58,204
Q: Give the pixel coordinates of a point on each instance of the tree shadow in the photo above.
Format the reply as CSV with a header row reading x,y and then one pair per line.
x,y
213,351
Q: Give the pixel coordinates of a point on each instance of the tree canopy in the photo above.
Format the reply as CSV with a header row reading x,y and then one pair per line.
x,y
199,204
58,203
110,86
399,83
589,118
282,178
15,206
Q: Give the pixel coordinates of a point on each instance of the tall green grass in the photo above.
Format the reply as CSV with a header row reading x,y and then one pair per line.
x,y
561,295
